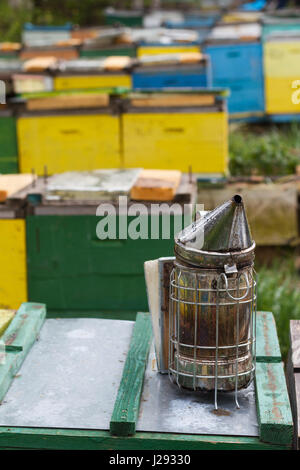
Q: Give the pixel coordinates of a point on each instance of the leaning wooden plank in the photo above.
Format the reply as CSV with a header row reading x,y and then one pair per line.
x,y
156,185
267,346
273,405
98,100
10,184
126,409
295,343
297,417
21,333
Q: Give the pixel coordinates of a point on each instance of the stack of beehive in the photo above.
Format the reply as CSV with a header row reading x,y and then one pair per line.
x,y
282,66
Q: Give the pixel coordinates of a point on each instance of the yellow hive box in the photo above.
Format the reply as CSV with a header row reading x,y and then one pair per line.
x,y
13,272
282,59
156,50
66,143
6,317
176,141
92,81
281,97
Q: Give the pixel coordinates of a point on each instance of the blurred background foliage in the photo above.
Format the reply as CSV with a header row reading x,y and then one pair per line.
x,y
264,150
13,13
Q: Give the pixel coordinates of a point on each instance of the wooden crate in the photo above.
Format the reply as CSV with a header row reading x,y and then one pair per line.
x,y
68,141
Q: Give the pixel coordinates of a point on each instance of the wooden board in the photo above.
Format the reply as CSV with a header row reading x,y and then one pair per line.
x,y
116,63
125,414
10,184
21,333
177,100
58,53
156,185
295,344
273,406
297,416
39,64
267,345
69,102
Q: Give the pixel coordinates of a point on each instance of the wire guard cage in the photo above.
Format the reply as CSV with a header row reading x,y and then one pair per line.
x,y
212,325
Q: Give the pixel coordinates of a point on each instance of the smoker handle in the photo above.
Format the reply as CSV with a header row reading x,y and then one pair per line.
x,y
226,286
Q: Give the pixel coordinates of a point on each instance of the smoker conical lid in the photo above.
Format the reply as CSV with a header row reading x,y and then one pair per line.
x,y
222,230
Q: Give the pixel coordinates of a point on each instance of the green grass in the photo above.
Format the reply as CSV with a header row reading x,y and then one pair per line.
x,y
264,150
279,292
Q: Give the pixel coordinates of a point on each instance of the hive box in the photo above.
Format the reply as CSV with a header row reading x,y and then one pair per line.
x,y
100,80
13,275
282,69
166,76
74,271
96,51
174,135
238,66
154,49
74,140
8,143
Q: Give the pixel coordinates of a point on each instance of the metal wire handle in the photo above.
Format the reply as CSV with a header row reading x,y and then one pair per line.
x,y
223,275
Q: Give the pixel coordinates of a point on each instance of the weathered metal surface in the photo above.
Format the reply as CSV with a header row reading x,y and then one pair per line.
x,y
165,408
91,185
70,377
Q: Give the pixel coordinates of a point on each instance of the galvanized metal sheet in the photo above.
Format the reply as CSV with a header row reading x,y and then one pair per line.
x,y
166,408
71,376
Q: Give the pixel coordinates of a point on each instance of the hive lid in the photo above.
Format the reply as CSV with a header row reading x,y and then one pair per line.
x,y
222,230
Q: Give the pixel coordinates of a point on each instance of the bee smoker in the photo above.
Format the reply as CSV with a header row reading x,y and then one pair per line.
x,y
212,303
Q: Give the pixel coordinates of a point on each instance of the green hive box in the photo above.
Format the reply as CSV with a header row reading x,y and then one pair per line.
x,y
125,18
109,51
73,271
8,144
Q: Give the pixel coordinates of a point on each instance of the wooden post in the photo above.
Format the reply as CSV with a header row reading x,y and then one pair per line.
x,y
293,378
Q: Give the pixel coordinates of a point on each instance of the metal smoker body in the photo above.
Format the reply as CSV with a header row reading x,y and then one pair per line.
x,y
212,312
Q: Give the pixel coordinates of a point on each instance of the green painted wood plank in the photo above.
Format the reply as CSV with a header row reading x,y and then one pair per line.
x,y
126,409
273,405
267,346
18,339
41,438
109,315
